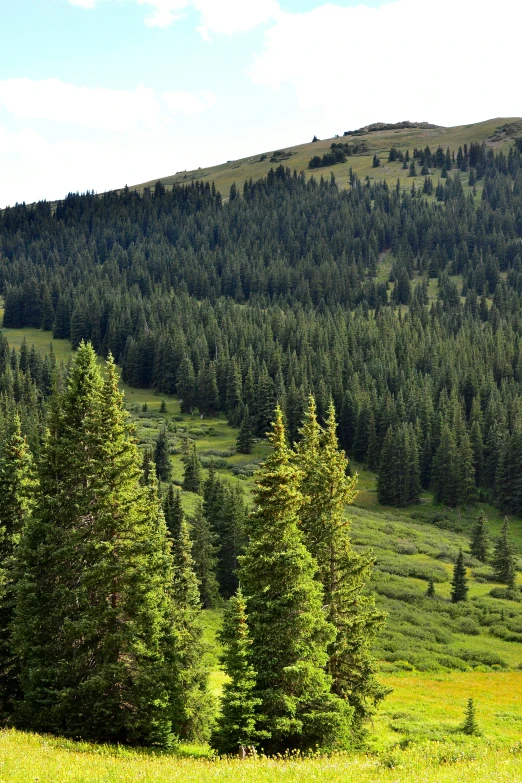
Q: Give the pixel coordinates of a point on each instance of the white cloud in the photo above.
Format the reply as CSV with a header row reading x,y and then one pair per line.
x,y
164,12
83,3
447,62
89,107
234,16
35,168
188,103
216,16
97,107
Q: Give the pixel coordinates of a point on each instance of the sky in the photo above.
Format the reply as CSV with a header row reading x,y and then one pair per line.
x,y
96,94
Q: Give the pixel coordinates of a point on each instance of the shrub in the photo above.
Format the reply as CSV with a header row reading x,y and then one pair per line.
x,y
505,593
484,657
469,627
217,453
484,574
216,462
245,469
404,547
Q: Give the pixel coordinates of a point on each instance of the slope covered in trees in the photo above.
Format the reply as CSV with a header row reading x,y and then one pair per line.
x,y
279,292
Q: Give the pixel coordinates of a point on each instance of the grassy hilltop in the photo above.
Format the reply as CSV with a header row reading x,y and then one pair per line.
x,y
498,133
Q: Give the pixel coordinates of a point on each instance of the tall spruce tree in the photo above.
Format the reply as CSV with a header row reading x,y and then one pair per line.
x,y
17,489
445,473
192,716
398,482
94,617
162,456
504,559
459,583
186,385
225,511
237,722
246,435
466,486
480,538
327,489
290,635
192,474
204,552
147,465
231,531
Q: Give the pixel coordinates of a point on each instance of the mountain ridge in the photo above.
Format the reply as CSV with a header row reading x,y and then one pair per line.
x,y
497,132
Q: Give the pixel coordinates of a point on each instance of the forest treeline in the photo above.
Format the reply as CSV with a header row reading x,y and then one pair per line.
x,y
103,581
276,293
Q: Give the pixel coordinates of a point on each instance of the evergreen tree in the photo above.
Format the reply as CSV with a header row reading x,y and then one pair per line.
x,y
480,539
233,395
466,487
290,634
231,530
186,385
147,465
386,480
372,455
504,559
204,552
430,591
477,445
264,402
246,436
226,513
192,474
470,725
17,488
208,392
192,713
236,724
459,583
326,490
94,618
445,469
162,456
398,482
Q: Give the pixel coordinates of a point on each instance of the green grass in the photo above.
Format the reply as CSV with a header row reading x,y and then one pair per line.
x,y
25,758
425,706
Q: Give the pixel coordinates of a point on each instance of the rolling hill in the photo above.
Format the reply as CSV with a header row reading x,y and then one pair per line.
x,y
497,133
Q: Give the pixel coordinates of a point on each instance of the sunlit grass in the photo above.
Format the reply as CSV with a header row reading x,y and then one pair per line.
x,y
28,758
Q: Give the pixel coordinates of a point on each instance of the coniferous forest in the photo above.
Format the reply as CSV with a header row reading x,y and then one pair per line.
x,y
303,313
276,293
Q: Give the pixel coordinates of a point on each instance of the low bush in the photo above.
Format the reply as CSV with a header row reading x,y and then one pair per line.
x,y
468,626
246,469
217,453
214,462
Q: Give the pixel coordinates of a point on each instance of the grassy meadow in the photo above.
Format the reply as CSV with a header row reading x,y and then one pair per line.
x,y
434,655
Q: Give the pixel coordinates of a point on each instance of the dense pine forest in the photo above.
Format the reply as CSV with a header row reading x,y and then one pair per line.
x,y
278,291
